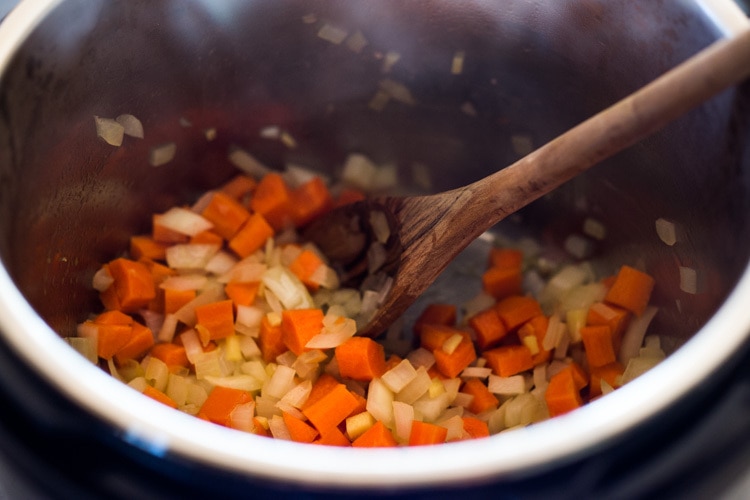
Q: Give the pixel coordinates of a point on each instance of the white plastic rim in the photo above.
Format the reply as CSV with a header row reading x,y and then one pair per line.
x,y
161,430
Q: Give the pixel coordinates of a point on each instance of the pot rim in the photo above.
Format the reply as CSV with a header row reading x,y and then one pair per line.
x,y
505,455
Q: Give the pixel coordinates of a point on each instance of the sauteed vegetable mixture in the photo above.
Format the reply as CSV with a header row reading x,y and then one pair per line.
x,y
223,312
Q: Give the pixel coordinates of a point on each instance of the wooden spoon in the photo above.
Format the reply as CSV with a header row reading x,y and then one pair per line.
x,y
427,232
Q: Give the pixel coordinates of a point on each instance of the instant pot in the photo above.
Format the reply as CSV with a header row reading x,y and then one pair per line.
x,y
529,70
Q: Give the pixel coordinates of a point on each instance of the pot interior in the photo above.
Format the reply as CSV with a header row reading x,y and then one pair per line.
x,y
315,70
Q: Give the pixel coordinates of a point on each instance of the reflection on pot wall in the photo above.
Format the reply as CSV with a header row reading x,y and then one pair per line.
x,y
455,91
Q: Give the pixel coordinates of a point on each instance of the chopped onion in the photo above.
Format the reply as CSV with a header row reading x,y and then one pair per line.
x,y
185,282
415,389
390,59
298,395
376,257
468,108
288,288
157,373
131,125
689,280
380,402
356,42
421,357
210,133
594,228
102,279
523,409
247,270
359,171
399,376
358,424
431,407
451,343
270,132
208,364
506,386
287,140
476,372
109,131
162,154
247,162
278,428
177,389
379,100
186,313
190,256
332,34
280,382
397,91
325,277
638,366
333,336
222,262
578,246
380,226
241,417
184,221
555,331
667,231
457,65
249,315
85,347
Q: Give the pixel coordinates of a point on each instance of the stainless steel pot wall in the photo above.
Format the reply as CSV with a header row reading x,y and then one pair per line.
x,y
68,201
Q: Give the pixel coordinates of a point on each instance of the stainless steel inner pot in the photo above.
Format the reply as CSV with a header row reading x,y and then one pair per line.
x,y
531,69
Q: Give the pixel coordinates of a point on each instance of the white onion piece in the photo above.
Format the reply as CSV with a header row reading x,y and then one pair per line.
x,y
242,382
358,424
457,64
270,132
689,280
399,376
288,288
325,277
156,373
109,130
380,226
638,366
102,279
522,410
380,402
247,162
594,229
249,347
469,109
555,331
379,100
278,428
131,125
245,271
476,372
667,231
190,256
415,389
85,347
177,389
184,282
333,335
298,395
359,171
421,357
390,59
578,246
241,417
186,313
397,91
139,384
332,34
432,408
280,382
184,221
356,42
506,386
162,154
210,133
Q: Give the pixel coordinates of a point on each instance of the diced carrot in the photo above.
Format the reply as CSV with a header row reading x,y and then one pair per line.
x,y
325,384
434,335
109,297
239,186
300,431
174,299
158,271
134,284
332,436
298,326
516,310
242,294
113,318
488,327
111,338
273,200
259,429
304,266
171,354
453,363
580,377
348,196
162,234
435,314
509,360
141,340
475,428
270,340
311,200
506,257
561,395
631,290
252,236
615,317
361,405
597,341
207,237
226,214
331,409
609,373
217,318
483,399
145,246
501,282
425,433
536,327
360,358
220,402
159,396
377,436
